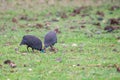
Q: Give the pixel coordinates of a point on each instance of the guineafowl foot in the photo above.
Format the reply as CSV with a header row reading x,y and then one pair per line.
x,y
27,48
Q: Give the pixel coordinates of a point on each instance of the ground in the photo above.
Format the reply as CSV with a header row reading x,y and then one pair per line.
x,y
84,51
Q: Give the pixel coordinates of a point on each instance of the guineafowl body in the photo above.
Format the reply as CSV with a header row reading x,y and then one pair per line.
x,y
32,41
50,39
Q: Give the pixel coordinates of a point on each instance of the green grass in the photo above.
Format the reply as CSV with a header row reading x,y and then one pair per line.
x,y
89,60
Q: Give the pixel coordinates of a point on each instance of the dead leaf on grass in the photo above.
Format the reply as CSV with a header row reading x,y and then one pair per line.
x,y
57,30
114,21
14,28
64,15
53,50
59,59
114,7
10,63
118,69
39,25
100,13
111,28
14,20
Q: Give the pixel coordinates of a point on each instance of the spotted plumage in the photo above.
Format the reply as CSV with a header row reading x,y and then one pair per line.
x,y
32,41
50,39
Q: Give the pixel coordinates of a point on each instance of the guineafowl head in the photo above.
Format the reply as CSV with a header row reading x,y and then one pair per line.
x,y
43,51
23,42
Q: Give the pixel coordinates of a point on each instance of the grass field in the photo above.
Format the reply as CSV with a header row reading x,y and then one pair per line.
x,y
85,51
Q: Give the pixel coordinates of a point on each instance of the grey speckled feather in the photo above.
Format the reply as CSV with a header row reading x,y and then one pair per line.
x,y
32,41
50,39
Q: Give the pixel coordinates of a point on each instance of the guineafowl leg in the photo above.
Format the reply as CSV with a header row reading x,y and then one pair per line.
x,y
32,49
27,48
52,48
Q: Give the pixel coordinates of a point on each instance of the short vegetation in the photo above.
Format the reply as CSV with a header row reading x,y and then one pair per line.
x,y
88,40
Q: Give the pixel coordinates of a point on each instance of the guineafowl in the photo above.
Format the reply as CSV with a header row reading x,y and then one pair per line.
x,y
50,39
33,42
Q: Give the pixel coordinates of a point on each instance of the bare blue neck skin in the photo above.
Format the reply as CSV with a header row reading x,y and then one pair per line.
x,y
43,51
